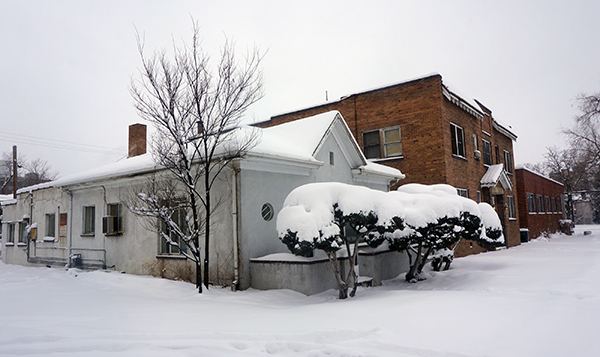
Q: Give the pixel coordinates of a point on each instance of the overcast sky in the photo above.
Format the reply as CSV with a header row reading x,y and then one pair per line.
x,y
65,66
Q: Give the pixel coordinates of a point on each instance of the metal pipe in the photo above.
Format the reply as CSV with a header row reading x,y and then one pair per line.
x,y
234,215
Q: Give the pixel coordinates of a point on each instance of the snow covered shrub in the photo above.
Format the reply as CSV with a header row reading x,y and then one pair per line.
x,y
437,218
334,218
493,227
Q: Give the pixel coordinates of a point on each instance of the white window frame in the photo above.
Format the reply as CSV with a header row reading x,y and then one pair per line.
x,y
531,203
88,226
382,144
458,141
387,144
508,162
11,229
365,151
512,213
164,247
489,152
50,228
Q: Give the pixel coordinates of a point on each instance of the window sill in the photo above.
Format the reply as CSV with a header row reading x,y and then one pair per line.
x,y
512,219
113,234
9,244
91,235
459,157
532,212
391,158
21,244
171,256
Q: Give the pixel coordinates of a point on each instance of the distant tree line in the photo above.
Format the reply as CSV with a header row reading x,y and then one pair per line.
x,y
577,166
29,172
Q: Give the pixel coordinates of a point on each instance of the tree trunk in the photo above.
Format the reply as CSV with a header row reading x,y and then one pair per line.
x,y
342,286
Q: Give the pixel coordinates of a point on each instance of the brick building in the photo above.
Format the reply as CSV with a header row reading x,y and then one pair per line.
x,y
541,202
433,135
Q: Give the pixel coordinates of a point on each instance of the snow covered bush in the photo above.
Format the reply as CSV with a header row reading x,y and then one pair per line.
x,y
436,219
425,221
334,218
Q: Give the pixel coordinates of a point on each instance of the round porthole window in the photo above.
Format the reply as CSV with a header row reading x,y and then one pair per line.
x,y
267,212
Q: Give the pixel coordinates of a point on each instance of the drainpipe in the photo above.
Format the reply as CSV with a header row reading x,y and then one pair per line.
x,y
70,223
30,223
234,216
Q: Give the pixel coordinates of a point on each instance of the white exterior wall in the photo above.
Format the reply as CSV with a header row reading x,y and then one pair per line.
x,y
259,237
35,205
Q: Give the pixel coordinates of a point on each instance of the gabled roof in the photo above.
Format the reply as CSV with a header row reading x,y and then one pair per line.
x,y
301,139
495,174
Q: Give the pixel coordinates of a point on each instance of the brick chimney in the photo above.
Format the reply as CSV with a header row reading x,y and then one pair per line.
x,y
137,140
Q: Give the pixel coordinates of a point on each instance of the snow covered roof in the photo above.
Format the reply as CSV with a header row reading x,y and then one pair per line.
x,y
521,167
494,174
297,140
301,139
7,200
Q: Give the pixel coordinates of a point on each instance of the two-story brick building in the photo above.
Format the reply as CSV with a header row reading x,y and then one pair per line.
x,y
541,202
433,135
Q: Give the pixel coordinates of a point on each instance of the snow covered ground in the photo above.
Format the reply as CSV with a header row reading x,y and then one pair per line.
x,y
539,299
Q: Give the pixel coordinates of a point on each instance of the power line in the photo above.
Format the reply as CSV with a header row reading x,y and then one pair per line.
x,y
57,144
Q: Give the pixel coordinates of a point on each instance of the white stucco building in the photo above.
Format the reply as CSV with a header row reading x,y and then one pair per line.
x,y
61,222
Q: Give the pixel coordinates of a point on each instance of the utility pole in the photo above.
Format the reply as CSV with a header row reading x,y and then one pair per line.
x,y
14,171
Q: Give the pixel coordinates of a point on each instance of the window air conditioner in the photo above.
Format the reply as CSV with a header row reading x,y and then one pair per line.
x,y
477,154
112,225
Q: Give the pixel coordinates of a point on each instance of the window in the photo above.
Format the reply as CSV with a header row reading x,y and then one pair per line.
x,y
497,154
462,192
548,207
507,162
487,152
554,204
371,145
561,203
387,141
179,219
331,158
458,140
11,233
89,220
112,224
50,225
392,145
478,196
23,231
540,203
511,207
530,202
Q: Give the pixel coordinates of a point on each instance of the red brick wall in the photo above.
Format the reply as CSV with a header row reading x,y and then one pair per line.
x,y
528,181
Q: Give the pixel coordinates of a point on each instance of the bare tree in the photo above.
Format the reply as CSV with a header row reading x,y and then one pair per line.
x,y
197,112
585,135
28,172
